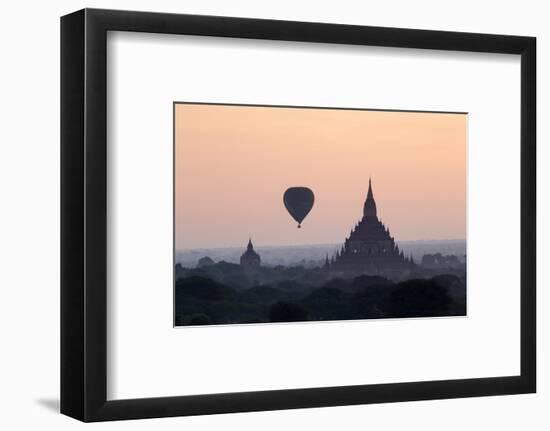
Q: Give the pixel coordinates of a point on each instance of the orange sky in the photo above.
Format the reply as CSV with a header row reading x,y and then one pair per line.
x,y
233,164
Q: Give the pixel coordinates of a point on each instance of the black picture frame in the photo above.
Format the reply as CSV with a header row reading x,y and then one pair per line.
x,y
84,214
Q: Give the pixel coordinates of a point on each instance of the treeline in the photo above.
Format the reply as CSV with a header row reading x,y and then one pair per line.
x,y
439,260
238,277
201,300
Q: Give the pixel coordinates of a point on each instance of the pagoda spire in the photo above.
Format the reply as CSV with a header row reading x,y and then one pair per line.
x,y
369,193
369,209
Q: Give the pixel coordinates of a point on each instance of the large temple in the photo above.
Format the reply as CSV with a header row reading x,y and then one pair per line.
x,y
370,248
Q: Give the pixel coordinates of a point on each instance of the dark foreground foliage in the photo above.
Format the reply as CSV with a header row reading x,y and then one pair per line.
x,y
203,301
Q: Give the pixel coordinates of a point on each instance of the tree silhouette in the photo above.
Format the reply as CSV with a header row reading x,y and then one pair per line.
x,y
203,288
286,312
418,298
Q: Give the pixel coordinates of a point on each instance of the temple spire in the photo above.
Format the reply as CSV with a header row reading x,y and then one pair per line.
x,y
369,209
250,246
369,193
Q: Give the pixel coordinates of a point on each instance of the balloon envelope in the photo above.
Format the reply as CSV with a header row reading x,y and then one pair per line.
x,y
298,202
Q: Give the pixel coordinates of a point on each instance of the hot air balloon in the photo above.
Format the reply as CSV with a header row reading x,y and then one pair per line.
x,y
298,202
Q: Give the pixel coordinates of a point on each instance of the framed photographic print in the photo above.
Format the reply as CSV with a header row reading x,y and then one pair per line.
x,y
262,215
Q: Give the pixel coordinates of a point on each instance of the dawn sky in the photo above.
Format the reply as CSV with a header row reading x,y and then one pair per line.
x,y
234,163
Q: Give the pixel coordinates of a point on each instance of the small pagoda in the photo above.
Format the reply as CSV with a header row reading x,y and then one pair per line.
x,y
250,258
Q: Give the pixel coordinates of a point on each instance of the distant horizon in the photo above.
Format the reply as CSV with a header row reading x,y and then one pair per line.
x,y
310,245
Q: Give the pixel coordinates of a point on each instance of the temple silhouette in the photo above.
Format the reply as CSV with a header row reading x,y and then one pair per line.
x,y
250,258
370,248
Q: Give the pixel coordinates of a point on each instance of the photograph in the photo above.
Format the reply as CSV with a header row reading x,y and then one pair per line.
x,y
308,214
